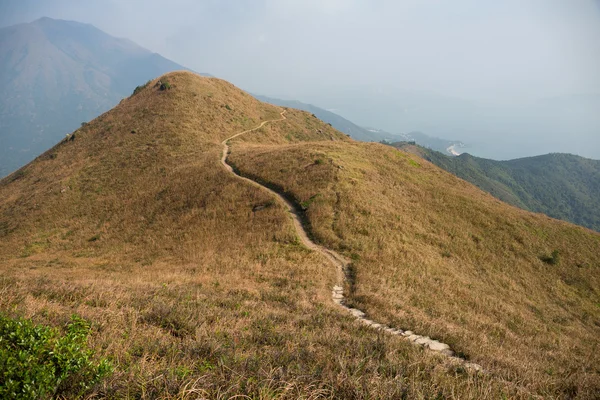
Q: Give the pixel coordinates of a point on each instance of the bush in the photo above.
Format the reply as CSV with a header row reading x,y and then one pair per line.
x,y
164,85
140,88
37,362
137,90
553,259
305,204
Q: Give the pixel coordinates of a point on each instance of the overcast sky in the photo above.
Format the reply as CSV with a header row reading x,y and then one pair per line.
x,y
474,49
361,57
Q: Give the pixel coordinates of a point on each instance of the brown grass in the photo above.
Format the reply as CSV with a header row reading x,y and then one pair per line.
x,y
435,255
191,291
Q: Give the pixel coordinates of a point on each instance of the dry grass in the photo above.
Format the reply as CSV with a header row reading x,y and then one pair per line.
x,y
436,255
192,292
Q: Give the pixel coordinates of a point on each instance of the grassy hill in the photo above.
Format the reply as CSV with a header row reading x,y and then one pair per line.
x,y
563,186
433,252
56,74
196,284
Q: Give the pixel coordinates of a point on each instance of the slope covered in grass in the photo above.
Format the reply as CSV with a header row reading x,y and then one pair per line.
x,y
193,281
436,255
563,186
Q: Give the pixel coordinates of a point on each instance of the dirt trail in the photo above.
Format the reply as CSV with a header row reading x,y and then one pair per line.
x,y
341,263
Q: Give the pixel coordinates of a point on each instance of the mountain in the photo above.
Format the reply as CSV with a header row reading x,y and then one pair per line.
x,y
501,131
56,74
359,133
562,186
445,146
442,145
338,122
196,282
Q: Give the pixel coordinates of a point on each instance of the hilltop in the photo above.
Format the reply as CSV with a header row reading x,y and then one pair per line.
x,y
563,186
56,74
196,283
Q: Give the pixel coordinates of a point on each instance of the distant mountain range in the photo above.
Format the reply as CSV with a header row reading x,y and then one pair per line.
x,y
56,74
364,134
563,186
501,130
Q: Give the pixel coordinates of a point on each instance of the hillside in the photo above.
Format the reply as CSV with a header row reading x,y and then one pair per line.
x,y
56,74
562,186
340,123
433,253
359,133
197,285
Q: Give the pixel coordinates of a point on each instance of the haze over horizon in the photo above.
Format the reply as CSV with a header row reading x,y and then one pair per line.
x,y
511,79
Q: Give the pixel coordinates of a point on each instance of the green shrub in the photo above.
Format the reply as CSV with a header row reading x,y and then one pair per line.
x,y
17,175
553,259
164,85
140,88
38,362
305,204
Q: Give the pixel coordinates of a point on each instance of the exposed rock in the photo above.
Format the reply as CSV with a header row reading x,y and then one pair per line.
x,y
423,340
437,346
357,313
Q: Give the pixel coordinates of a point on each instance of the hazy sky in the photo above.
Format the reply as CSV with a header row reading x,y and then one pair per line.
x,y
474,49
500,51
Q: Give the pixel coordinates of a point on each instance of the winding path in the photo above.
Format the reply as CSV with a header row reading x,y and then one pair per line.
x,y
341,263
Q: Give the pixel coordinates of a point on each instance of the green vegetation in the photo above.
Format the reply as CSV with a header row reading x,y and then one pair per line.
x,y
304,205
38,362
140,88
164,85
552,259
562,186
